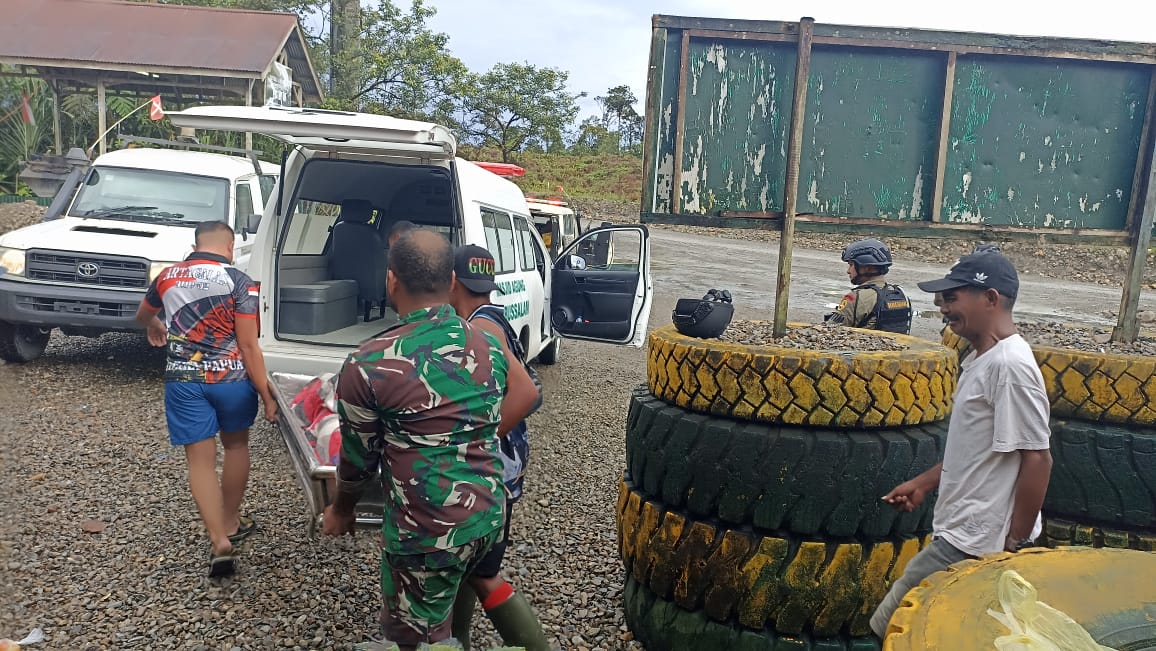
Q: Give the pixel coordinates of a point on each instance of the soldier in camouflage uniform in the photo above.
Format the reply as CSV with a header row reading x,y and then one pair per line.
x,y
423,402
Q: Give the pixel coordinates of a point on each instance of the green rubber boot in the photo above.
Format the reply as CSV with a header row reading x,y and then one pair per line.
x,y
463,614
516,622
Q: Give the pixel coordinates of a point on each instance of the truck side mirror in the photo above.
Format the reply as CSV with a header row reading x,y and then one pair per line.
x,y
252,222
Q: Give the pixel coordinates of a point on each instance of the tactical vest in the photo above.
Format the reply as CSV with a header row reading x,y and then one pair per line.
x,y
892,308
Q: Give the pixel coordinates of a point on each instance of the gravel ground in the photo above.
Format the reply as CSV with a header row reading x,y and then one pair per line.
x,y
19,215
1092,340
85,446
812,337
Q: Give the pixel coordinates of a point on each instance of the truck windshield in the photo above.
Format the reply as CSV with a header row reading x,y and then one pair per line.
x,y
152,196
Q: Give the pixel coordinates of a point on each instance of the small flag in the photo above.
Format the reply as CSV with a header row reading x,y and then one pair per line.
x,y
26,110
155,110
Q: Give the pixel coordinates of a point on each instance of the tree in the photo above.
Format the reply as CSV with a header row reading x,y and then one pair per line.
x,y
407,68
517,104
619,116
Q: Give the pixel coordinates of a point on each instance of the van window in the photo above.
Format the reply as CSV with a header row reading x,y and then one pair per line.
x,y
499,239
490,225
244,203
525,243
309,227
505,242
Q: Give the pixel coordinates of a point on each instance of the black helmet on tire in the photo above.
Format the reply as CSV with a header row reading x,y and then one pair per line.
x,y
869,253
706,317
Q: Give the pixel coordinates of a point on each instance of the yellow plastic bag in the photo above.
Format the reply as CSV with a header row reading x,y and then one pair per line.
x,y
1034,625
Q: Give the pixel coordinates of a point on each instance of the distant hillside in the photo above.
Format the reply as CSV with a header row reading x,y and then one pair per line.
x,y
611,177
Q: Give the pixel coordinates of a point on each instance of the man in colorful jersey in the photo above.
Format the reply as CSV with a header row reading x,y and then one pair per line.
x,y
215,372
511,614
423,401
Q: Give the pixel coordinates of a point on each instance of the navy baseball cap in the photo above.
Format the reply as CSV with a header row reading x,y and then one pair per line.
x,y
985,270
474,267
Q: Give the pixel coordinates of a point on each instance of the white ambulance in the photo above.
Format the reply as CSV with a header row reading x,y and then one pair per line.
x,y
320,252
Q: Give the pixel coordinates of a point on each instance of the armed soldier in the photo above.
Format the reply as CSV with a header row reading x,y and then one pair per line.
x,y
873,303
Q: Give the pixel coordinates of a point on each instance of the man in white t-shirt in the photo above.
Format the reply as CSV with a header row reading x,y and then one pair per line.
x,y
997,464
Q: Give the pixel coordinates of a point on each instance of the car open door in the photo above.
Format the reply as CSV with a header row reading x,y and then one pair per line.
x,y
606,295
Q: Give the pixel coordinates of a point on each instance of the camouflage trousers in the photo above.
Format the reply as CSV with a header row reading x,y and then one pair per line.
x,y
418,590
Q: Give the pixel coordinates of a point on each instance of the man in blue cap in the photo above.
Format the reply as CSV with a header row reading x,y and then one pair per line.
x,y
997,463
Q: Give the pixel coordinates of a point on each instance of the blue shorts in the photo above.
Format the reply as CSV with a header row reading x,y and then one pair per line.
x,y
196,411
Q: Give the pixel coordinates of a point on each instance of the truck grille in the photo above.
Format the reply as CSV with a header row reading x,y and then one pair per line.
x,y
99,270
90,308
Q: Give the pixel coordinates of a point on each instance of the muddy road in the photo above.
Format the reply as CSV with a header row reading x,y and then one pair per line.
x,y
686,265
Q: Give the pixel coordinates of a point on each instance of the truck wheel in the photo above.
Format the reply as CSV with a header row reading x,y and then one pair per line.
x,y
1107,591
1063,533
20,342
791,584
662,625
549,355
790,386
806,481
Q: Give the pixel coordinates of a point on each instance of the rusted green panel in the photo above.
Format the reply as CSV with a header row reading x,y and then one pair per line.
x,y
667,113
1043,143
871,129
738,111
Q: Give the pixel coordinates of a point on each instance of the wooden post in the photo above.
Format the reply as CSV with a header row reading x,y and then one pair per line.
x,y
1134,206
101,115
57,137
249,102
1128,325
680,127
794,153
944,134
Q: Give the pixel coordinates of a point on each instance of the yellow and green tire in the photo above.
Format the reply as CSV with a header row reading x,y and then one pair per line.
x,y
763,581
1059,533
787,386
1095,387
1110,592
802,481
663,625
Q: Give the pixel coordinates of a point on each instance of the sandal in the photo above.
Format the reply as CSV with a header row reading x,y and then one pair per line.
x,y
222,565
246,525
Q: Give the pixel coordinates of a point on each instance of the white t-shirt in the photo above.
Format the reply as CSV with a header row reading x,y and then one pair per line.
x,y
1001,407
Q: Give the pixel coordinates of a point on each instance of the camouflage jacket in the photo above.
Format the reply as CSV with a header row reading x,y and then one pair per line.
x,y
423,401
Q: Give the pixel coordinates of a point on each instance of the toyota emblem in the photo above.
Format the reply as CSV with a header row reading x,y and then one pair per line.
x,y
87,269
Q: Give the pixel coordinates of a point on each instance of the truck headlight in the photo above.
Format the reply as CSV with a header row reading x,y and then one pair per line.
x,y
12,260
156,268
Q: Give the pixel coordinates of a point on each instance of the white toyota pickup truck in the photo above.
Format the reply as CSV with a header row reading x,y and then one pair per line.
x,y
133,214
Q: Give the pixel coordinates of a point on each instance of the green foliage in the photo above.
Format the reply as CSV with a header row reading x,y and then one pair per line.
x,y
517,104
19,139
383,57
616,177
405,68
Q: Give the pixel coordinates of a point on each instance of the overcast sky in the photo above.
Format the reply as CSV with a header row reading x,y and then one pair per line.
x,y
605,43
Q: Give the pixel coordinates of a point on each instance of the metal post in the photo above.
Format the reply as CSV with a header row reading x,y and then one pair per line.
x,y
1128,325
101,115
794,152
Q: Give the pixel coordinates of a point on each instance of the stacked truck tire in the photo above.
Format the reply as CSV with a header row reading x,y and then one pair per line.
x,y
749,515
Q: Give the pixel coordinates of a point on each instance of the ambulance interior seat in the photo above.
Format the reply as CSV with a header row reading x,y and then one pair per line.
x,y
357,252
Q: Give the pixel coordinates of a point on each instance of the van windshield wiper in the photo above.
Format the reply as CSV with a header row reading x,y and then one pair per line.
x,y
128,211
